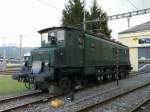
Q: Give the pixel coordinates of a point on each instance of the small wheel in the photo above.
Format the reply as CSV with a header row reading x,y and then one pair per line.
x,y
110,76
126,74
78,81
65,83
100,79
120,75
116,76
105,77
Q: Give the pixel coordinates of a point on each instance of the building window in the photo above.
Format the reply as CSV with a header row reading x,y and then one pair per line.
x,y
144,40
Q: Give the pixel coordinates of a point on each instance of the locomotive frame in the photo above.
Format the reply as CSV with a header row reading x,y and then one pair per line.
x,y
69,57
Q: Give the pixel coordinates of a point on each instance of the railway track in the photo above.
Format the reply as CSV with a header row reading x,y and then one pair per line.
x,y
26,101
100,98
107,103
137,73
143,107
20,96
21,101
38,99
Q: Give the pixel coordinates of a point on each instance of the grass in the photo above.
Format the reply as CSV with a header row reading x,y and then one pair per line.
x,y
9,65
8,86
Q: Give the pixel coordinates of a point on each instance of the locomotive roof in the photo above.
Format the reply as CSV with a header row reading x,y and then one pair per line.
x,y
54,28
100,35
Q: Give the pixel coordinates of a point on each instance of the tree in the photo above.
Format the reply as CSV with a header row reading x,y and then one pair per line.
x,y
73,13
96,13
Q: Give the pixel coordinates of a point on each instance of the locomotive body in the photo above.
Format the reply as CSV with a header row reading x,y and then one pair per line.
x,y
68,57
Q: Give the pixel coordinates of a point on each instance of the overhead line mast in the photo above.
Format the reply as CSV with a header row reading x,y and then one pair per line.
x,y
84,20
123,15
129,14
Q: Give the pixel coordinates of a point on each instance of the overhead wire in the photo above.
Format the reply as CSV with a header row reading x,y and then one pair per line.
x,y
132,4
128,19
48,4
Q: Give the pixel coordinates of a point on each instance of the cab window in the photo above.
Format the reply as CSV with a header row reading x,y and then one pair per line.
x,y
52,34
60,35
53,37
44,37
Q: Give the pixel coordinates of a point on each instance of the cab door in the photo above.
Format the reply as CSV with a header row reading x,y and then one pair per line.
x,y
81,49
75,49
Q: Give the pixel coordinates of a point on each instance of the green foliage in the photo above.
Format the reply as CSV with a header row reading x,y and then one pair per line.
x,y
96,13
8,86
74,12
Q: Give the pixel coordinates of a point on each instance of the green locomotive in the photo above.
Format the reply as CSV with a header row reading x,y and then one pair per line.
x,y
69,56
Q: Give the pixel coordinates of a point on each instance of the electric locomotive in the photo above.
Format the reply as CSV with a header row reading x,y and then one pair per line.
x,y
69,57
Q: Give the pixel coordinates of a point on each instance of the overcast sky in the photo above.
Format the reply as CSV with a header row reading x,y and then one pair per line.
x,y
26,17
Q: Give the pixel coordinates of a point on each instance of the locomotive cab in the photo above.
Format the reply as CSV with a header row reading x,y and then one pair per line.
x,y
48,57
58,59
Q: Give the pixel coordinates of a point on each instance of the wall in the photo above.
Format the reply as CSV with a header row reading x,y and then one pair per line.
x,y
132,41
133,53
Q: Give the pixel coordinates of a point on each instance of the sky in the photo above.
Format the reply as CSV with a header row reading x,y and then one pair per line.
x,y
26,17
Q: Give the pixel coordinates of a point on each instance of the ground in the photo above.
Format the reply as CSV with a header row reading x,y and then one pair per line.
x,y
8,86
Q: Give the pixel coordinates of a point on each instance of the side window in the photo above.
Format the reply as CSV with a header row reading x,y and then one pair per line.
x,y
60,35
125,51
93,45
81,40
52,34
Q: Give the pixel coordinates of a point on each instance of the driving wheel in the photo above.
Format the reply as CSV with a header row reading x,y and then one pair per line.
x,y
65,83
